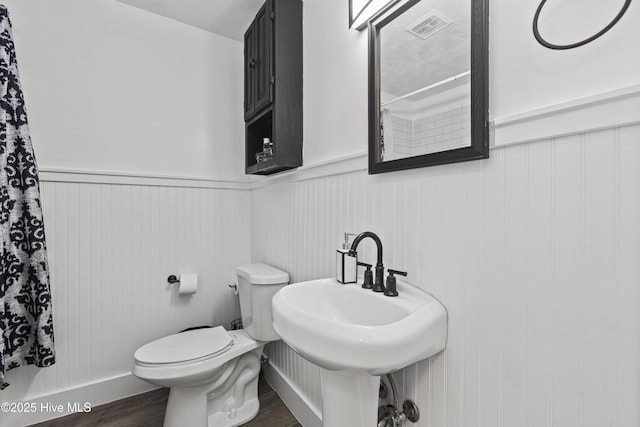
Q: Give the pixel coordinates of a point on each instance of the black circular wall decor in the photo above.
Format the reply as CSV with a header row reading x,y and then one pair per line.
x,y
546,44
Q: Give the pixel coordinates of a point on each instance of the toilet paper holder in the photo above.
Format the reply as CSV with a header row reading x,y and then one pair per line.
x,y
186,283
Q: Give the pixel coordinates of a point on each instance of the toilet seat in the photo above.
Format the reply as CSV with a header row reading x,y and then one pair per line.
x,y
185,347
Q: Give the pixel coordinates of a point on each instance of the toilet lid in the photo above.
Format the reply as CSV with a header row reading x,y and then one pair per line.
x,y
185,346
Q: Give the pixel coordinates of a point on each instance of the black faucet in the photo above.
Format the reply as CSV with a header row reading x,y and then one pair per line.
x,y
378,285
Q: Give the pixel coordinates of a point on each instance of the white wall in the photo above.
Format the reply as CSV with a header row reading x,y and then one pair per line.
x,y
110,87
119,92
523,75
334,82
533,251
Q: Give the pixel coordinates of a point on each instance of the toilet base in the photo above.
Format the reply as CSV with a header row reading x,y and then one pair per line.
x,y
228,401
235,417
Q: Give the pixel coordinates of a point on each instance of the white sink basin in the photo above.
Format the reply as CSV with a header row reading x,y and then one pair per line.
x,y
340,326
355,335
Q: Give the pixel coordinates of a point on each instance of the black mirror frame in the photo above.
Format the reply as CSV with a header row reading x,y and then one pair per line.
x,y
479,148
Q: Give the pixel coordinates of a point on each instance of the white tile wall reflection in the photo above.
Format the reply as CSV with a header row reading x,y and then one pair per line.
x,y
418,134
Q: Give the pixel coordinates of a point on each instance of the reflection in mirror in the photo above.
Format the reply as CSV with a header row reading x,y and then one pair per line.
x,y
423,67
425,90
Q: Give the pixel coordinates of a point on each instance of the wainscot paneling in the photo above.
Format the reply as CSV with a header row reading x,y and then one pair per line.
x,y
534,252
111,248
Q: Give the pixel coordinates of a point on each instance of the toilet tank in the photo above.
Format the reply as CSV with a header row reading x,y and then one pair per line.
x,y
257,284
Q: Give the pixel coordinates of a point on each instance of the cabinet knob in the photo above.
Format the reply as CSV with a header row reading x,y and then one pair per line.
x,y
252,63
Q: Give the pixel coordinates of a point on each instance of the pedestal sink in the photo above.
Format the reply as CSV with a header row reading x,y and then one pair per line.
x,y
356,335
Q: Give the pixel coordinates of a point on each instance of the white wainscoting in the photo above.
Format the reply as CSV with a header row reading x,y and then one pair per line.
x,y
111,248
534,252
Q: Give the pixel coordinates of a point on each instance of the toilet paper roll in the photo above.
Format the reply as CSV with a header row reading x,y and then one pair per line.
x,y
188,284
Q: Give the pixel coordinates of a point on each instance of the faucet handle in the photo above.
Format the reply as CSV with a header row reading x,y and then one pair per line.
x,y
391,290
368,275
398,272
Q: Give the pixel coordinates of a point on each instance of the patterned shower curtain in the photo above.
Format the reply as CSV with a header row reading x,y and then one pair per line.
x,y
26,323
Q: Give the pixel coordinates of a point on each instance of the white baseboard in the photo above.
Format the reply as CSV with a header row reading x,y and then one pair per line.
x,y
65,402
307,413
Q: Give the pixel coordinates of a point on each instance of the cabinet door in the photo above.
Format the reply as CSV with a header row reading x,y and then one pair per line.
x,y
250,62
264,56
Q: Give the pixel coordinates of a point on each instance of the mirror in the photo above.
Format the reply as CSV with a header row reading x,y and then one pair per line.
x,y
428,84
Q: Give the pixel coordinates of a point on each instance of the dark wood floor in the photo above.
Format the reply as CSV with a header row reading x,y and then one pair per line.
x,y
147,410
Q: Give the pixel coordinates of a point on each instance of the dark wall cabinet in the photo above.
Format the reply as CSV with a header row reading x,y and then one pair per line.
x,y
258,42
273,87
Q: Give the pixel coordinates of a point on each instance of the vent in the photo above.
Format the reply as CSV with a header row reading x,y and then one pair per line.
x,y
428,25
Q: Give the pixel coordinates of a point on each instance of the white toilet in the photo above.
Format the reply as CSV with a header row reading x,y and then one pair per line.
x,y
212,372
